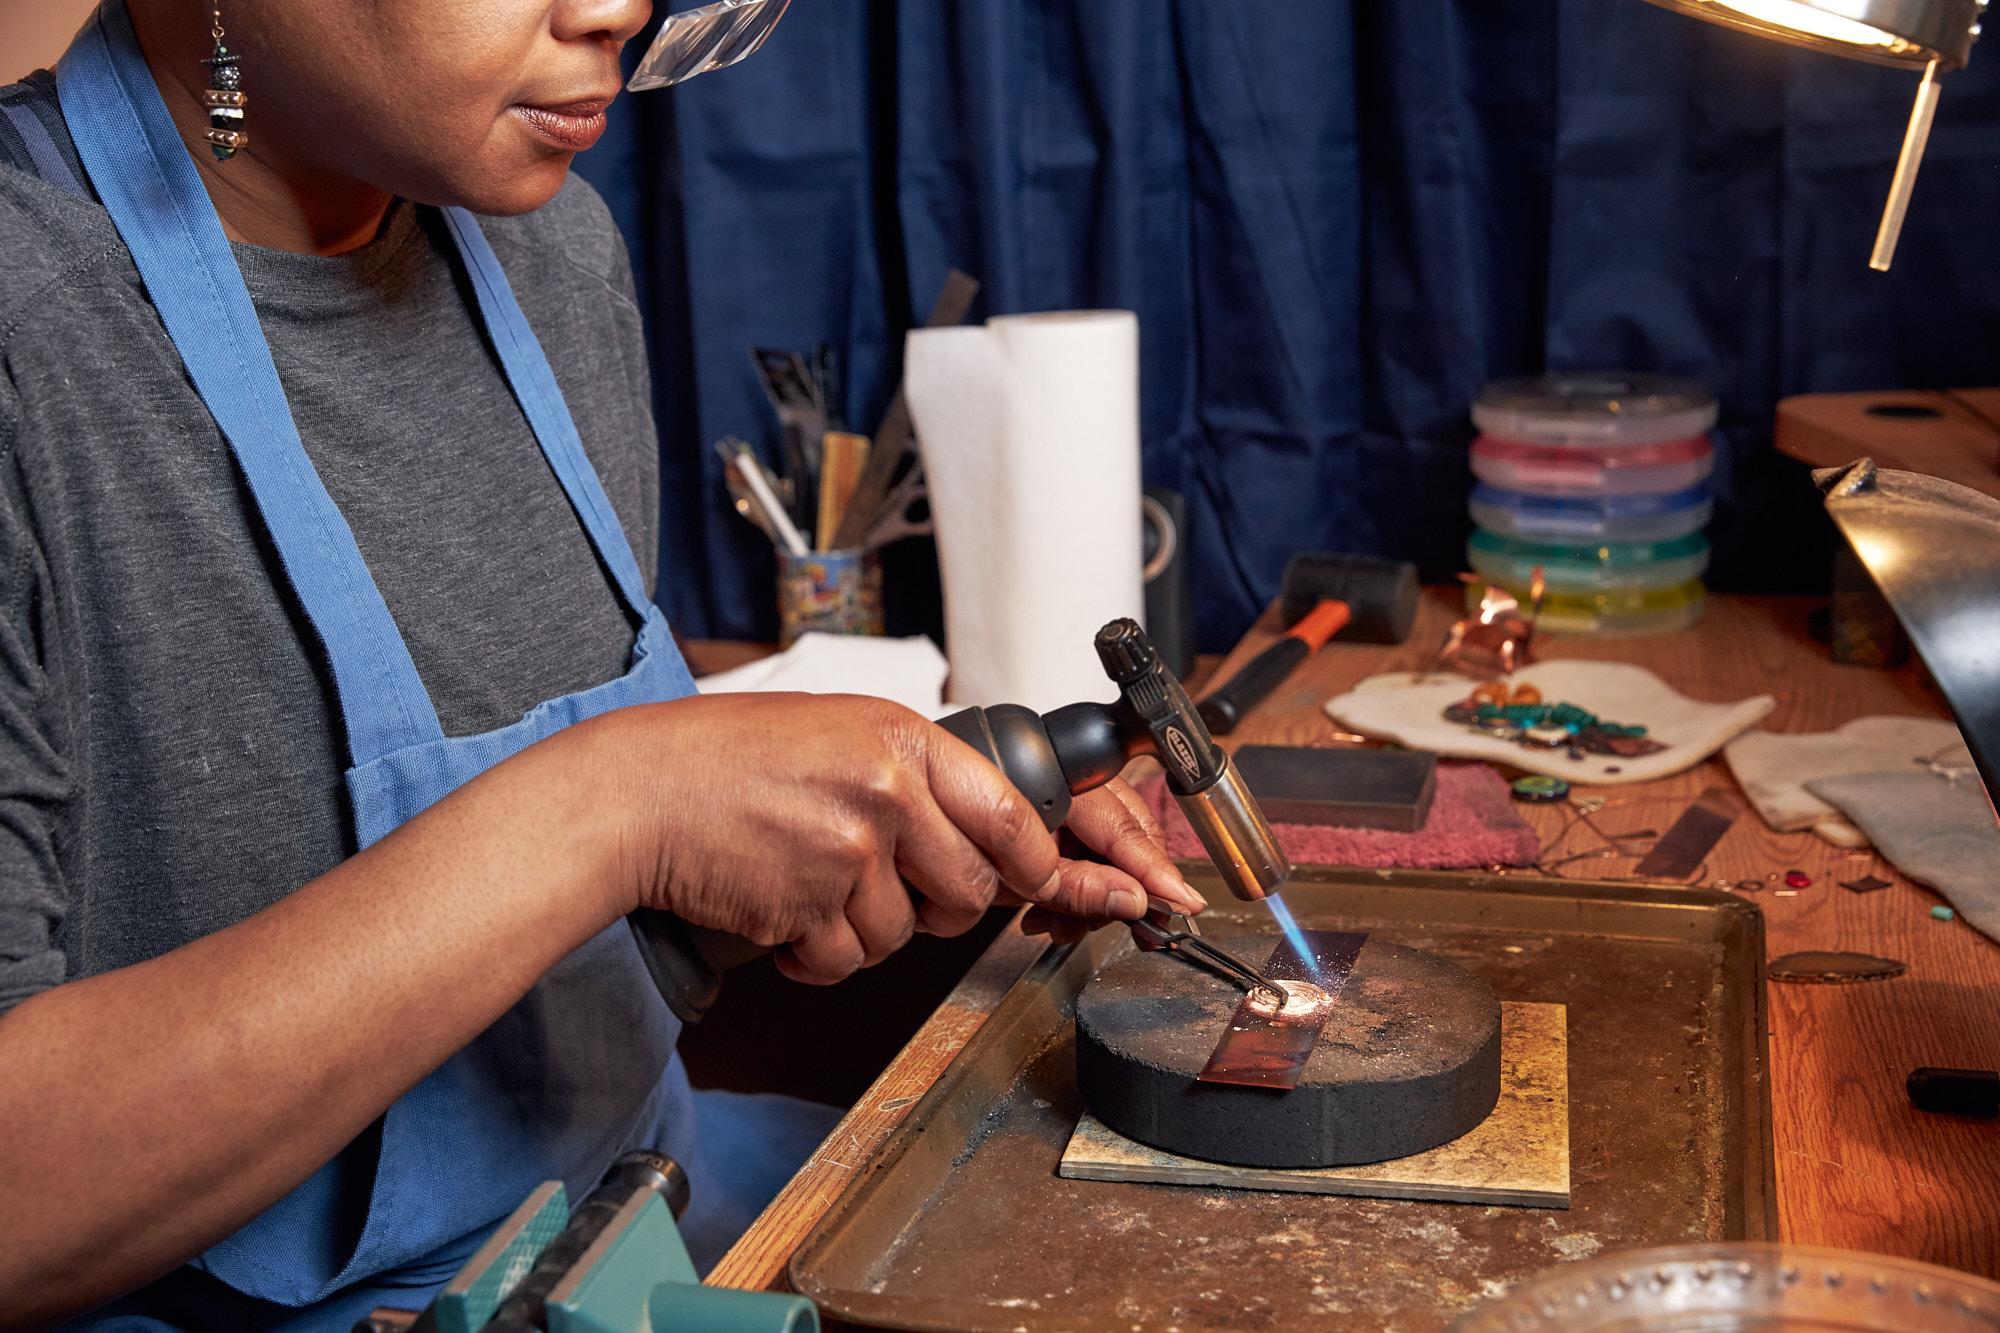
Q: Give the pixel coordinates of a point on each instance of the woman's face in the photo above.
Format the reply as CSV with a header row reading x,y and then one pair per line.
x,y
480,103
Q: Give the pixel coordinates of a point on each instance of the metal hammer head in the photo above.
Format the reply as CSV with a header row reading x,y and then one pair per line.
x,y
1381,594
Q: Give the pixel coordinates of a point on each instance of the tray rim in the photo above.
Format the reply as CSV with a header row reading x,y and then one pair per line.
x,y
1741,928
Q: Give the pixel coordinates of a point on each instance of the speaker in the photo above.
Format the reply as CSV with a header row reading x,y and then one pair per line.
x,y
1169,602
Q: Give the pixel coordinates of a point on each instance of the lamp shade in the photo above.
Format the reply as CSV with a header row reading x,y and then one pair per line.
x,y
1887,32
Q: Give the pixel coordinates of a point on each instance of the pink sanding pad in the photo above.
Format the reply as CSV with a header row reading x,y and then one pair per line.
x,y
1472,823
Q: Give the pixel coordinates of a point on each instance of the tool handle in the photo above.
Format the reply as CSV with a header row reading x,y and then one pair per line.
x,y
525,1310
1250,686
1051,758
1970,1092
685,961
894,437
1253,684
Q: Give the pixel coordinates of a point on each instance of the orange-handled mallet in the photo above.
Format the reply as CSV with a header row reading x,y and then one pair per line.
x,y
1362,599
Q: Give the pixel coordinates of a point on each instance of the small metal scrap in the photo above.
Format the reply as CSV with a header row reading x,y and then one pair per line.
x,y
1262,1050
1684,846
1798,879
1499,635
1825,967
1866,884
1949,769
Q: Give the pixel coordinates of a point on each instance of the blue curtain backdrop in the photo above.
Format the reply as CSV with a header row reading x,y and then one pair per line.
x,y
1336,220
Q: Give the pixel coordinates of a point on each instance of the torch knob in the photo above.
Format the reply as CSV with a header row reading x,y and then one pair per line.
x,y
1126,652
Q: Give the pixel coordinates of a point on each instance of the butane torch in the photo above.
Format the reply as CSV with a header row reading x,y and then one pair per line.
x,y
1051,757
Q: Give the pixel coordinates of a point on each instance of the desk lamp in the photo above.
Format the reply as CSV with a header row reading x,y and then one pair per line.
x,y
1932,35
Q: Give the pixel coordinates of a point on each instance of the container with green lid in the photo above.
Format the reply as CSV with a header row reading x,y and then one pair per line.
x,y
1588,568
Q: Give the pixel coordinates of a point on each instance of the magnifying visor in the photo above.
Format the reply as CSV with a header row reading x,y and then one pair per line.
x,y
712,37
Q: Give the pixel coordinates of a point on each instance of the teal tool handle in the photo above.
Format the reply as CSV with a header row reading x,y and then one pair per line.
x,y
725,1310
636,1173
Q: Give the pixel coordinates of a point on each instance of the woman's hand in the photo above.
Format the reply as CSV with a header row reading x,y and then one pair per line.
x,y
835,827
1115,823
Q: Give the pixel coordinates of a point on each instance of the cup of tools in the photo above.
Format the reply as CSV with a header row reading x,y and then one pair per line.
x,y
830,592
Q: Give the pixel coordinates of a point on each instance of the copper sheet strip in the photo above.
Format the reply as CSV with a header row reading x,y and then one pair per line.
x,y
1259,1051
1682,849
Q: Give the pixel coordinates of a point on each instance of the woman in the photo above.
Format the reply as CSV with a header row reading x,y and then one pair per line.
x,y
337,727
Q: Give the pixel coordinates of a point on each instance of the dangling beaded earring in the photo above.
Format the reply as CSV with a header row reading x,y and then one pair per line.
x,y
224,98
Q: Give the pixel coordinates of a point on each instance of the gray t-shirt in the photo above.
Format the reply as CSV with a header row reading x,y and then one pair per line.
x,y
171,755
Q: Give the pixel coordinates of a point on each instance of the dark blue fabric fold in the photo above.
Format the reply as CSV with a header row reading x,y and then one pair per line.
x,y
1336,220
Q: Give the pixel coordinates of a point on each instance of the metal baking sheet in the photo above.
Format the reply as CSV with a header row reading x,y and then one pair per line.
x,y
961,1222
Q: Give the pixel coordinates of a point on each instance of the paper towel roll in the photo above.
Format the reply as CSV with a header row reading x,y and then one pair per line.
x,y
1029,428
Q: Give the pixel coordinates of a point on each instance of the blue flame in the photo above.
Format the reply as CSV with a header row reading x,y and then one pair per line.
x,y
1293,935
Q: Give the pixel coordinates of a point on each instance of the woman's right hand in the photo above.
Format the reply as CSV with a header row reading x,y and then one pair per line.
x,y
834,827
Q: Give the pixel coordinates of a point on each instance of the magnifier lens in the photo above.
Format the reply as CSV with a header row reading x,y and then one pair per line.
x,y
712,37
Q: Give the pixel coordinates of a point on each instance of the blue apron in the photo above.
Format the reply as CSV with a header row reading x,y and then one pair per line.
x,y
584,1066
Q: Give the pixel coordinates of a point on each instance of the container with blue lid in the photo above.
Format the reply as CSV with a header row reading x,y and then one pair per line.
x,y
1602,518
1599,480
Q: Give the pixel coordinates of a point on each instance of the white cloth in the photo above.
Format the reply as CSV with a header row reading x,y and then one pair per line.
x,y
910,672
1408,707
1773,768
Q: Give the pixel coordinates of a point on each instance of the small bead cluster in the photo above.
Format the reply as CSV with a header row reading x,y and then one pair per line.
x,y
1522,716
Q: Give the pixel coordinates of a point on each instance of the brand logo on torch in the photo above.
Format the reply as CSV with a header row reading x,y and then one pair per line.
x,y
1181,750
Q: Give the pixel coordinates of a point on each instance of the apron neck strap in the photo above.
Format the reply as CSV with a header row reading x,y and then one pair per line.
x,y
133,154
541,400
141,170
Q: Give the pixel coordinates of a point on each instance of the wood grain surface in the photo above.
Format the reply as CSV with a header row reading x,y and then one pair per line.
x,y
1857,1167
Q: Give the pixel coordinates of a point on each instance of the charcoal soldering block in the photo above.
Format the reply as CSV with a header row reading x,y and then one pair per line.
x,y
1385,789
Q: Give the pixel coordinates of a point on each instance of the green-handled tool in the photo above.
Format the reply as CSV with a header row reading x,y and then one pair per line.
x,y
616,1264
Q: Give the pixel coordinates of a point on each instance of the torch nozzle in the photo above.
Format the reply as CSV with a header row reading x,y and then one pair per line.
x,y
1236,836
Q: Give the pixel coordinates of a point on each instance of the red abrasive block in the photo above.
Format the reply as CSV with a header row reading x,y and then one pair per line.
x,y
1473,823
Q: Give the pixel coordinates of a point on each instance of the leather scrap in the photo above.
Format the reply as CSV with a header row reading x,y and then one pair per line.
x,y
1825,967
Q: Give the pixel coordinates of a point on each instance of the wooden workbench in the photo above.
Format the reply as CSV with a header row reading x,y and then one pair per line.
x,y
1857,1167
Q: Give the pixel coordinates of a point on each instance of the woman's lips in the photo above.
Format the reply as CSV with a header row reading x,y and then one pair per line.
x,y
571,127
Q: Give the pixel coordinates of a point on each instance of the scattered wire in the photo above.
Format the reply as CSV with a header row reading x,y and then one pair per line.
x,y
1581,812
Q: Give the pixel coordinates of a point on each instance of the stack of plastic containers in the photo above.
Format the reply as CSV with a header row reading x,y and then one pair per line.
x,y
1601,480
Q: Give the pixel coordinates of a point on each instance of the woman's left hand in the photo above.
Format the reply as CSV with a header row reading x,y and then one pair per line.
x,y
1115,823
